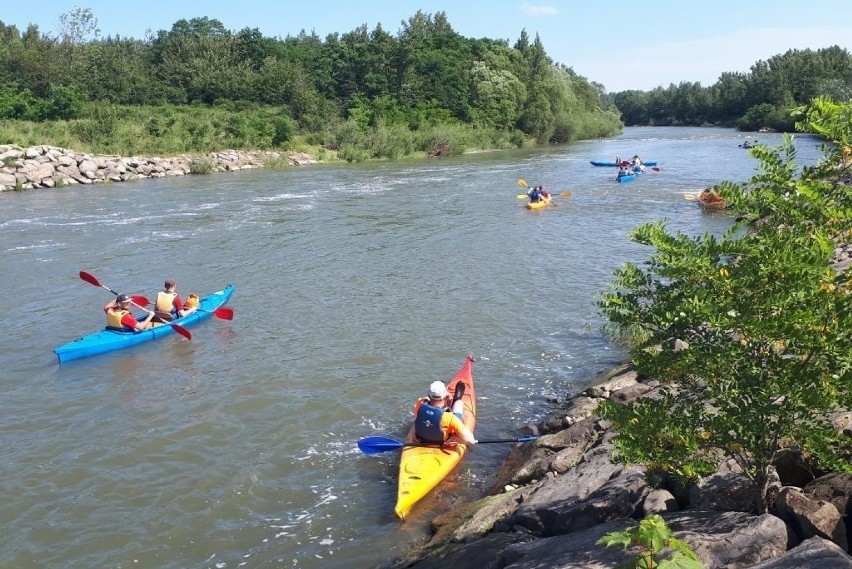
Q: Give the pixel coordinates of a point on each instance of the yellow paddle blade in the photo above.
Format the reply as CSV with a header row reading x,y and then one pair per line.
x,y
690,197
521,196
566,194
522,182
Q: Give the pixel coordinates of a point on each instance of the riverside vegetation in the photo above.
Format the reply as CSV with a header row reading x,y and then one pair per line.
x,y
364,94
733,421
359,95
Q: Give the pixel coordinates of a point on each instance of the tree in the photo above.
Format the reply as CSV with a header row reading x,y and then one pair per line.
x,y
751,332
78,26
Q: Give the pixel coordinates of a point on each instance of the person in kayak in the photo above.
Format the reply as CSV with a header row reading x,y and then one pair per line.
x,y
534,195
624,170
191,304
169,305
120,318
544,193
437,417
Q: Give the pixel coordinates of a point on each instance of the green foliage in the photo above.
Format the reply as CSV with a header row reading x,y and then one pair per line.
x,y
100,127
14,104
754,326
200,165
651,539
426,76
766,115
763,97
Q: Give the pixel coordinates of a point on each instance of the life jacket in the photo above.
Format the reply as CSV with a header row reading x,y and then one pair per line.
x,y
427,423
114,316
165,308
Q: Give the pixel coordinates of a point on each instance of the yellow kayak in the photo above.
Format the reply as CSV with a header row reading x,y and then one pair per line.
x,y
421,468
541,204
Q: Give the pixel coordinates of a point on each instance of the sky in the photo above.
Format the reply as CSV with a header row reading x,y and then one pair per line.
x,y
620,44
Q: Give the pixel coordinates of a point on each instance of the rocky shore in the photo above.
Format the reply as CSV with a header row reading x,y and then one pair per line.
x,y
556,496
51,167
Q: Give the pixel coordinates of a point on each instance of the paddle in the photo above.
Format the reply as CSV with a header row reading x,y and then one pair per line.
x,y
377,445
91,279
137,300
655,169
222,312
690,197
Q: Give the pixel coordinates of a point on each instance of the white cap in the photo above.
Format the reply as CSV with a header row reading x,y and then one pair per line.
x,y
437,390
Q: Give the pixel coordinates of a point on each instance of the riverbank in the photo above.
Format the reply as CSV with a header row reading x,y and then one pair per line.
x,y
556,496
53,167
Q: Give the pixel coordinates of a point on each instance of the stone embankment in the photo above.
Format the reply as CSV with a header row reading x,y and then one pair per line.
x,y
556,496
50,167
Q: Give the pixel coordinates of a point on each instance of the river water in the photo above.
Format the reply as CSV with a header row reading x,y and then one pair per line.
x,y
356,286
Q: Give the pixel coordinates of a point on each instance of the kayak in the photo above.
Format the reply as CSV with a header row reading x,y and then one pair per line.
x,y
711,203
649,163
540,204
626,178
421,468
109,340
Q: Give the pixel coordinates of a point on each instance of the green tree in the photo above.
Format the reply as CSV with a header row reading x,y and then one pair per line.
x,y
496,96
752,330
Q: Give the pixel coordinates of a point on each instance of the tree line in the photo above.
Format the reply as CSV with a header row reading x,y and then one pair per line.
x,y
377,93
762,98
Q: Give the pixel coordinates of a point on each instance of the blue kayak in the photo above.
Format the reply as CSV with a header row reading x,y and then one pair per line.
x,y
626,178
109,340
649,164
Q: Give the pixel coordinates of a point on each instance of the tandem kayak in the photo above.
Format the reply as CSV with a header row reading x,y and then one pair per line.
x,y
109,340
540,204
421,468
649,163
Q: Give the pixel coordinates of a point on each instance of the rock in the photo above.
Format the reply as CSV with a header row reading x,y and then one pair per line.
x,y
815,552
810,518
730,540
658,501
730,492
43,166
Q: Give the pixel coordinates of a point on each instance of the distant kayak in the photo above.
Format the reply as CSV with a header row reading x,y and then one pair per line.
x,y
649,163
540,204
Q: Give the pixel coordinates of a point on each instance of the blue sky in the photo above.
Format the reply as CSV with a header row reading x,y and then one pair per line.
x,y
621,44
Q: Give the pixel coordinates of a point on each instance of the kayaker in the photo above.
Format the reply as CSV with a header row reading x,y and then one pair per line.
x,y
544,193
168,305
191,304
534,195
437,417
119,316
624,171
636,161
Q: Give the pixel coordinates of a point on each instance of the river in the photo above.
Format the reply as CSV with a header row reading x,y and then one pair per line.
x,y
356,286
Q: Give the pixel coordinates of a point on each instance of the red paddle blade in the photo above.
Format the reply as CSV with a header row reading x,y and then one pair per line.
x,y
89,278
140,301
655,169
181,330
224,313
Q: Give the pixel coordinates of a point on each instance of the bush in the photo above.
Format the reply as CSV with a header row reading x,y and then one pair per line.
x,y
200,165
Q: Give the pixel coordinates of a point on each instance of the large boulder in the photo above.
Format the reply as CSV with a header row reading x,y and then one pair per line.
x,y
814,553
